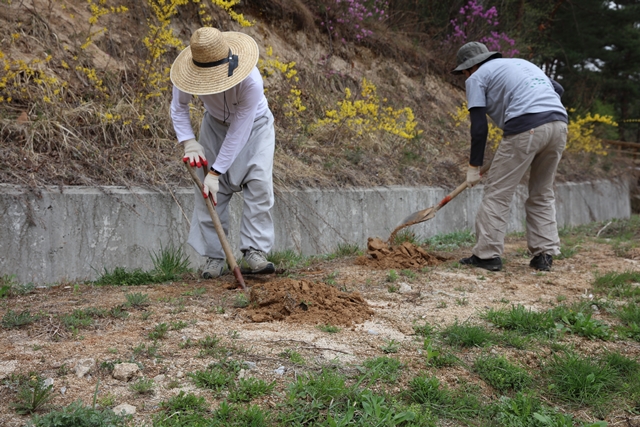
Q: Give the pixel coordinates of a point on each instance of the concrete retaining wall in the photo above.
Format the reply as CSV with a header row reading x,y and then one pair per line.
x,y
74,233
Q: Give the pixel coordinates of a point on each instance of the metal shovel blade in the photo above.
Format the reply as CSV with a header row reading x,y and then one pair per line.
x,y
420,216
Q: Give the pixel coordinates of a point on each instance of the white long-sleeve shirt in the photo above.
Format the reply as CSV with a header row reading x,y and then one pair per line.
x,y
239,106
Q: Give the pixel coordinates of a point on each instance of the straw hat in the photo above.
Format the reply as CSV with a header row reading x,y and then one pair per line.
x,y
214,62
471,54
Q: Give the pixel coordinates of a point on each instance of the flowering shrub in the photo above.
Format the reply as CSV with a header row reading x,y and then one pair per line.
x,y
580,137
345,19
368,115
581,133
271,66
477,24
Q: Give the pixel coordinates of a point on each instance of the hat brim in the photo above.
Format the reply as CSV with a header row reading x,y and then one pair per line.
x,y
475,60
190,78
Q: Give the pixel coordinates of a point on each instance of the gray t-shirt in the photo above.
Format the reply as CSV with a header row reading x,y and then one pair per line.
x,y
511,87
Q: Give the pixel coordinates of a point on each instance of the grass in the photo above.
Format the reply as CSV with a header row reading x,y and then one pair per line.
x,y
451,241
169,264
137,299
216,377
79,415
501,374
581,379
13,319
33,395
330,329
386,369
463,335
248,389
142,386
159,331
618,284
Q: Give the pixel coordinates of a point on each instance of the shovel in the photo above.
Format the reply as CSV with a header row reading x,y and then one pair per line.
x,y
233,265
427,214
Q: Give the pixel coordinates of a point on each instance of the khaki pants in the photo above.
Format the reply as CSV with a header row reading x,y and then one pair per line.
x,y
541,149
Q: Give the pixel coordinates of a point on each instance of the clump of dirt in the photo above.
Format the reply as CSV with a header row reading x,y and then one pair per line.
x,y
407,255
301,301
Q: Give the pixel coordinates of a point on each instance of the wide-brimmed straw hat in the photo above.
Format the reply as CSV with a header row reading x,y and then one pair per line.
x,y
471,54
214,62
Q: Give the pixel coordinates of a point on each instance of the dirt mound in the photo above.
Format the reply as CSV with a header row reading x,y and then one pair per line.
x,y
407,255
301,301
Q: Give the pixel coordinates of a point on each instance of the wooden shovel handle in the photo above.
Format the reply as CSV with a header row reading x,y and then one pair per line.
x,y
458,190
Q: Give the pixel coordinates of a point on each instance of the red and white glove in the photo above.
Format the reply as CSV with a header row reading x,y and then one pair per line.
x,y
194,153
473,175
211,186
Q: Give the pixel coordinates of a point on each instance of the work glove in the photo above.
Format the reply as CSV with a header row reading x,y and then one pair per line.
x,y
194,153
211,186
473,175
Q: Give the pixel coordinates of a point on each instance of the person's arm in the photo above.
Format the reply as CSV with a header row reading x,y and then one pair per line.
x,y
479,132
241,124
557,87
193,151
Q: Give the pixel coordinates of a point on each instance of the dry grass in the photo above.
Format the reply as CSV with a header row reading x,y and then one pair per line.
x,y
70,142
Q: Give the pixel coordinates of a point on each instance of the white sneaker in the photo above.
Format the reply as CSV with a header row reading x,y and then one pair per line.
x,y
214,267
257,262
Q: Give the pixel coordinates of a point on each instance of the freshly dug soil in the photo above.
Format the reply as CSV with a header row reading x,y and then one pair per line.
x,y
302,301
382,256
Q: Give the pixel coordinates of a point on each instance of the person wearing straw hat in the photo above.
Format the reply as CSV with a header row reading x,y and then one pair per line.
x,y
237,140
525,103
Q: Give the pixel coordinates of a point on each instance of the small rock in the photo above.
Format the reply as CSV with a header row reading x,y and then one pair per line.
x,y
124,409
159,378
48,382
595,308
125,371
7,367
372,332
250,365
404,288
63,390
180,374
83,366
280,370
241,374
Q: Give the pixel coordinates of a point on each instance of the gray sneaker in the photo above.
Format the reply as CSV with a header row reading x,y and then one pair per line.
x,y
257,262
214,267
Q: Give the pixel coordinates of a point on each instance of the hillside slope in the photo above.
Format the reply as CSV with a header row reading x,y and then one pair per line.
x,y
85,97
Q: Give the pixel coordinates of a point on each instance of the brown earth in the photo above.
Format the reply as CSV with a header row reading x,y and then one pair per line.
x,y
357,297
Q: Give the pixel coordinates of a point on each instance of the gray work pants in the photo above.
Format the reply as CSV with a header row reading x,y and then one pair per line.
x,y
541,149
251,173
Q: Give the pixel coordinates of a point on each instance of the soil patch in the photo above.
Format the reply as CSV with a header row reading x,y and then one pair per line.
x,y
407,255
302,301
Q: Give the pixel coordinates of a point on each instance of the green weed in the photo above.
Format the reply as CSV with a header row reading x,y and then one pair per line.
x,y
386,369
79,415
331,329
33,395
390,346
13,319
345,250
159,332
618,284
142,386
240,300
286,259
293,356
216,377
579,379
248,389
522,320
170,263
459,335
451,241
392,276
500,374
137,299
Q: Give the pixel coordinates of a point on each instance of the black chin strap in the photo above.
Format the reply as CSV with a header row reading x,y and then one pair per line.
x,y
231,59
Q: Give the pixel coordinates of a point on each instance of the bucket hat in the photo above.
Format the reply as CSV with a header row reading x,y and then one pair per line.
x,y
214,61
473,53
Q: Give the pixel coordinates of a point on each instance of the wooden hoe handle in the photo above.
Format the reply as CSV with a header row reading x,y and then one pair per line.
x,y
233,265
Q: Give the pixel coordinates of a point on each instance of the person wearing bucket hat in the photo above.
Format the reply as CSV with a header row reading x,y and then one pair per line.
x,y
525,103
237,137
